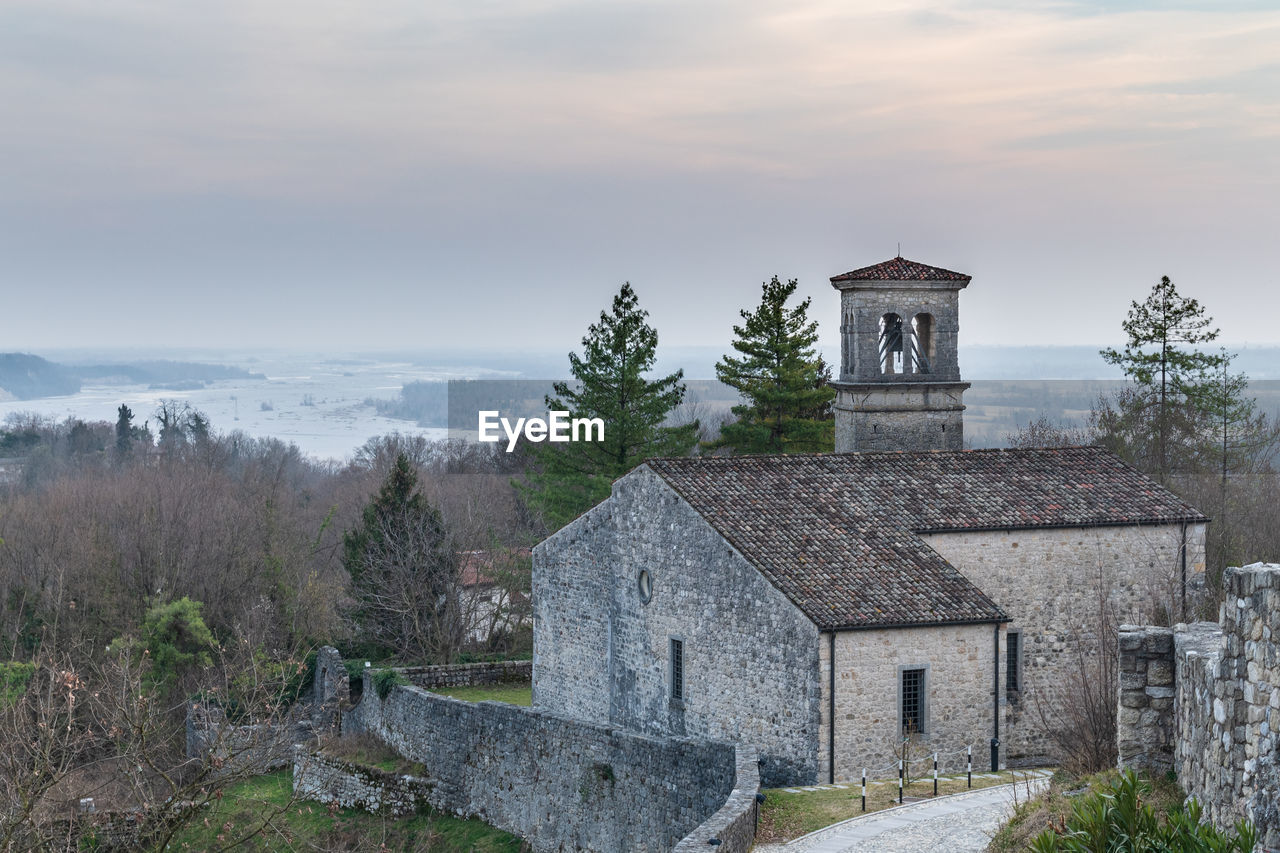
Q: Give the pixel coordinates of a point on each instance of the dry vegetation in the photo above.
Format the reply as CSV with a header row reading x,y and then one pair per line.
x,y
135,575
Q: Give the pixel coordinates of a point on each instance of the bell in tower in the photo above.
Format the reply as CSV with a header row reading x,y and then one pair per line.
x,y
899,386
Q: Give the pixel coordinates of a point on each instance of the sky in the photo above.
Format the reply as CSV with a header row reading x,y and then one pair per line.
x,y
468,173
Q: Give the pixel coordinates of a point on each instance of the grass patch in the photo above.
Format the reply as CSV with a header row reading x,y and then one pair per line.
x,y
1052,807
244,808
512,694
784,816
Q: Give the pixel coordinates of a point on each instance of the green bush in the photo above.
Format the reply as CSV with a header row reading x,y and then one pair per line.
x,y
384,680
1117,819
14,676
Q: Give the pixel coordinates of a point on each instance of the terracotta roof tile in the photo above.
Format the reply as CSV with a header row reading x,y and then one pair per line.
x,y
901,269
838,533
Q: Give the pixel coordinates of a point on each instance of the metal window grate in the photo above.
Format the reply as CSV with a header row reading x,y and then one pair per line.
x,y
677,669
1012,651
912,701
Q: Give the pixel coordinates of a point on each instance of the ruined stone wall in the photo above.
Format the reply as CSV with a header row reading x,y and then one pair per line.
x,y
1048,581
957,660
560,783
602,653
1221,733
326,779
260,747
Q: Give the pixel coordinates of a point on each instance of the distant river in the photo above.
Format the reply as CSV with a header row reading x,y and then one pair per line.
x,y
315,402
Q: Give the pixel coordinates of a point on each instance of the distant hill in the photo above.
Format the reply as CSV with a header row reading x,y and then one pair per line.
x,y
26,377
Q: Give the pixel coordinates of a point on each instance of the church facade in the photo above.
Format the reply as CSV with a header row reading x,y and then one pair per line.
x,y
820,607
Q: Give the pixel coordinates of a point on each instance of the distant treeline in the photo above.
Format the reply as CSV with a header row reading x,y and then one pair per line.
x,y
162,372
426,403
995,409
29,377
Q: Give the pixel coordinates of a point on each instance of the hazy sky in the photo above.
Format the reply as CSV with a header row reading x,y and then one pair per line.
x,y
429,173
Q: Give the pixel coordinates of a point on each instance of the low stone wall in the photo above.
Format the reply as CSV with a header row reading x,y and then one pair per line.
x,y
331,780
560,783
1221,731
732,829
104,831
469,674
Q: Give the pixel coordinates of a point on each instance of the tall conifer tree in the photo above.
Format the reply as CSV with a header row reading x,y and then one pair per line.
x,y
618,352
1158,423
782,379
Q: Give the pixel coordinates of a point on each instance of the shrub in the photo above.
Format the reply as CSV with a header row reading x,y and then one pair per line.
x,y
384,680
1117,818
14,676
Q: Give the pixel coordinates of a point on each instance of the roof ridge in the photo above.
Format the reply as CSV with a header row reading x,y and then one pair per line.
x,y
902,269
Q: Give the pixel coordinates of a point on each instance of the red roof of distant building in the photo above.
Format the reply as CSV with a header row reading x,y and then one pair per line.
x,y
901,269
478,568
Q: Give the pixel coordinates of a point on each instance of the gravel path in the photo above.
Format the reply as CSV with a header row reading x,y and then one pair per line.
x,y
960,823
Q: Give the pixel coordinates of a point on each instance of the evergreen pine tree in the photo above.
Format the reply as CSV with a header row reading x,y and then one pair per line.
x,y
124,429
784,382
611,384
404,572
1158,424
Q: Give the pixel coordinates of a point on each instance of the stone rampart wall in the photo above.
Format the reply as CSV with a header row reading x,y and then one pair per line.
x,y
1221,733
469,674
733,826
558,782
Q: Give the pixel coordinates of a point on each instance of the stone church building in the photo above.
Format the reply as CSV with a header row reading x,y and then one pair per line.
x,y
819,606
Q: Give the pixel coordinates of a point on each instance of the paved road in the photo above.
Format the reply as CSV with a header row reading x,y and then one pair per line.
x,y
961,823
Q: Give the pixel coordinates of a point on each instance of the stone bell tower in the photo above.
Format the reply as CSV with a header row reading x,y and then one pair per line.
x,y
899,386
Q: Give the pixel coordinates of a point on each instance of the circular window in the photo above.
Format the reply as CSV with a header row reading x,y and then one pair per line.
x,y
645,584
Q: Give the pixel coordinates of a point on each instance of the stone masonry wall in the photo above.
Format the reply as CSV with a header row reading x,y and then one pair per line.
x,y
899,417
1048,581
1145,714
259,747
733,826
602,653
558,782
1222,729
958,706
469,674
326,779
863,304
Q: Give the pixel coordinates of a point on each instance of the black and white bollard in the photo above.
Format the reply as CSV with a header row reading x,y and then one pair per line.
x,y
899,781
969,759
935,774
864,789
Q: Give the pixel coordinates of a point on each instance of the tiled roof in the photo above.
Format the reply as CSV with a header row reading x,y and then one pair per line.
x,y
901,269
481,568
837,533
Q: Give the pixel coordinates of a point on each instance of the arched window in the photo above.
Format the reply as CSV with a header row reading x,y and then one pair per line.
x,y
891,343
922,347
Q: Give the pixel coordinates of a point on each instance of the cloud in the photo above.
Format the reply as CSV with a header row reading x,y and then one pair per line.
x,y
300,144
